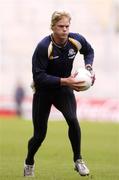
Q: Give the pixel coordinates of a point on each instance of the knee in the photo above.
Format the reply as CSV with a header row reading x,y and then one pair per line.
x,y
72,121
40,136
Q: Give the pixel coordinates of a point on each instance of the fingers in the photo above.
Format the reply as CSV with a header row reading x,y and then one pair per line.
x,y
93,80
74,75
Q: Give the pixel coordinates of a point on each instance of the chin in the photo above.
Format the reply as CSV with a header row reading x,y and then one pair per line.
x,y
64,36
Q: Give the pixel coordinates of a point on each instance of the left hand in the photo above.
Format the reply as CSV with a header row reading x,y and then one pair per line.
x,y
93,77
90,69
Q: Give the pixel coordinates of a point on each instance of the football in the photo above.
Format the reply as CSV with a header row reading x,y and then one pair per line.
x,y
85,79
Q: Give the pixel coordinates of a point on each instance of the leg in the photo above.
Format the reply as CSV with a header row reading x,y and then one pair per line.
x,y
41,110
66,103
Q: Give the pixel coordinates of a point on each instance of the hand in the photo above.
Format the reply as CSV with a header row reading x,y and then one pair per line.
x,y
90,69
33,87
72,82
93,78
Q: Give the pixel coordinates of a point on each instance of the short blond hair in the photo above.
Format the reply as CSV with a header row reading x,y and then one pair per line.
x,y
57,16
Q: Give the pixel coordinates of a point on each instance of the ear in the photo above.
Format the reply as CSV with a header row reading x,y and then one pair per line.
x,y
52,28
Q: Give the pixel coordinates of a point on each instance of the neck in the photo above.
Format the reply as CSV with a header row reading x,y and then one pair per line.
x,y
59,41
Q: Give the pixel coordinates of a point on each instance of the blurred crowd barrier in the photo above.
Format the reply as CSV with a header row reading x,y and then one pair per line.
x,y
23,23
88,109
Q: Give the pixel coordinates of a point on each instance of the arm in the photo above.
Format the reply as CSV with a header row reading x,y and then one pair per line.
x,y
88,53
39,67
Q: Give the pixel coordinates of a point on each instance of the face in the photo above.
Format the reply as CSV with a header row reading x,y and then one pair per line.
x,y
61,29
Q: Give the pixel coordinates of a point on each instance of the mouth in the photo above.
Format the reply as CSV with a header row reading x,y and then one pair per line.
x,y
64,34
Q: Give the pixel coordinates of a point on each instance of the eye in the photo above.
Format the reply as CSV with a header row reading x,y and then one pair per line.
x,y
67,26
62,26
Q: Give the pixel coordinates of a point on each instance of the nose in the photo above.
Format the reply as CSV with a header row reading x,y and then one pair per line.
x,y
65,28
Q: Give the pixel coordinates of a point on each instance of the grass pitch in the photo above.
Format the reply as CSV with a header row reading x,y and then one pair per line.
x,y
100,149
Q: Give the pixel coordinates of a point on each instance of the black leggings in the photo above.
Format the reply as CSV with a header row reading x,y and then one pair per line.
x,y
64,100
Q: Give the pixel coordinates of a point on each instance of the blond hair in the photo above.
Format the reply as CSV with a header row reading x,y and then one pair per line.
x,y
57,16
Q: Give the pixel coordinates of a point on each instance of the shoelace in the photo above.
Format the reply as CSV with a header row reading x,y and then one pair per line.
x,y
81,164
29,168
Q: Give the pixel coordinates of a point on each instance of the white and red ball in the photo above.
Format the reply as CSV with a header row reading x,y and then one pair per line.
x,y
85,79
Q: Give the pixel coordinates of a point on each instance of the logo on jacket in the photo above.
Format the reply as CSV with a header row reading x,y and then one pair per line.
x,y
71,54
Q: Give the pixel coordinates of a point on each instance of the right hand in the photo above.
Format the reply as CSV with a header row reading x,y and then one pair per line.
x,y
72,82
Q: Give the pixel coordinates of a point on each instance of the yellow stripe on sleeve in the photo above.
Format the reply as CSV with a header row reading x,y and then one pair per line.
x,y
50,49
76,43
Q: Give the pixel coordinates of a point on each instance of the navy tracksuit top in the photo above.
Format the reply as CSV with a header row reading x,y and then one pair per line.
x,y
50,62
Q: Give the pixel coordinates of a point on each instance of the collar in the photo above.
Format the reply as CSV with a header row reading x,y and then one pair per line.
x,y
57,45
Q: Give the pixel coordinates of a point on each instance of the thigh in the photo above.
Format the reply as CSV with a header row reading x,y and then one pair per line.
x,y
66,103
40,109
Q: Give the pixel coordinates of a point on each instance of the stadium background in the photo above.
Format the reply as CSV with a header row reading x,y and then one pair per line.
x,y
23,23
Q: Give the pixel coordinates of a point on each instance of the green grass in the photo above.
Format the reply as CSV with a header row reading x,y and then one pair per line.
x,y
100,149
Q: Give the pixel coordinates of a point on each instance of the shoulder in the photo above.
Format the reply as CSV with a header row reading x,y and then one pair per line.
x,y
44,43
76,39
76,36
42,46
80,39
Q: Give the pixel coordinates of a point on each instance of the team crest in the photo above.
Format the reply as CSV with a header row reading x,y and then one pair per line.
x,y
71,53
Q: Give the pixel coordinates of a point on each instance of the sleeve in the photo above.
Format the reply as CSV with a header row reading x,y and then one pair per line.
x,y
39,68
87,51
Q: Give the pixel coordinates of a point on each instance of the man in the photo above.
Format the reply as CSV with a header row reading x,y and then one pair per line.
x,y
19,98
51,67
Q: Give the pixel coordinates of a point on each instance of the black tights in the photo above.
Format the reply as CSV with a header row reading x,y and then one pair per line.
x,y
64,100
